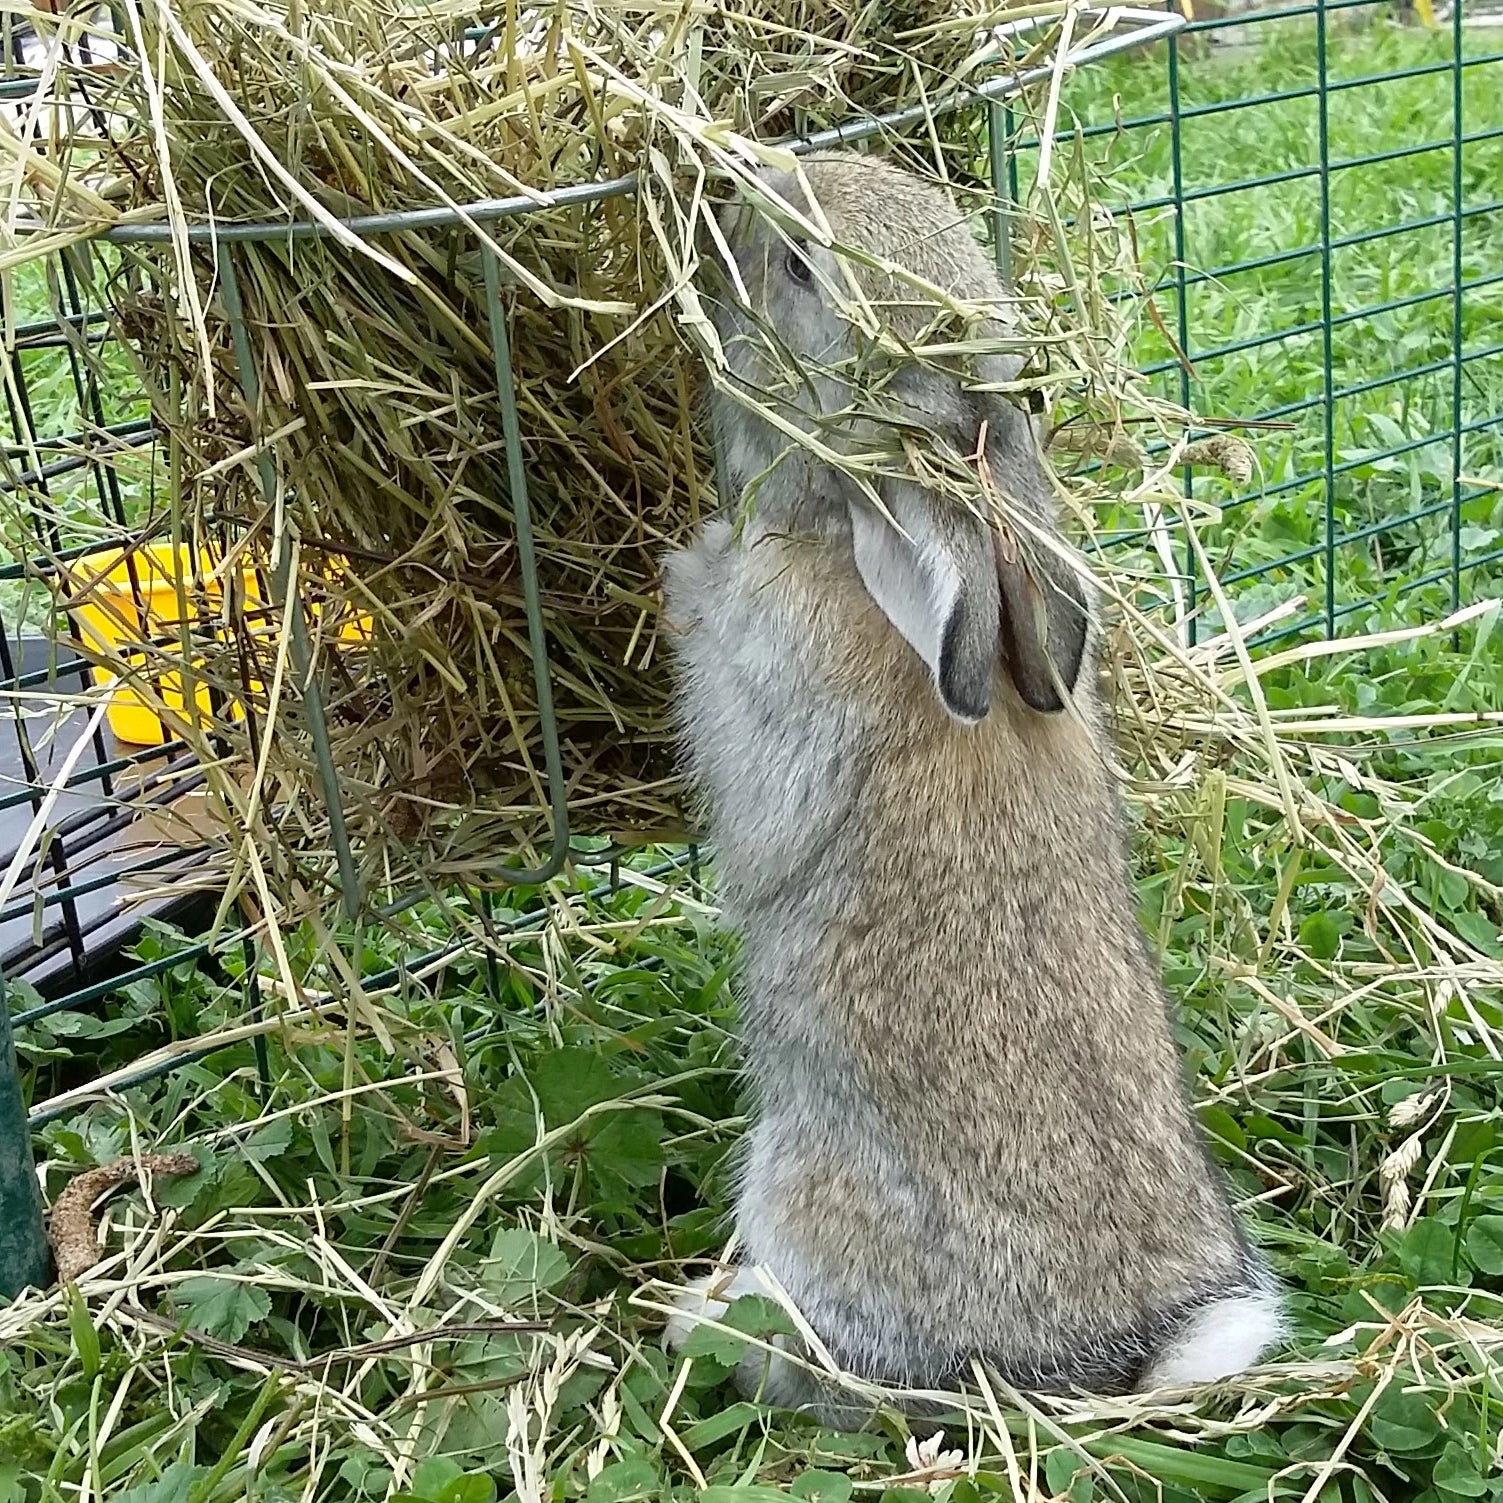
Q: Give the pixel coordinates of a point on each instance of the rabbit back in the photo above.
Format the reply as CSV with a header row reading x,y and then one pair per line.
x,y
972,1129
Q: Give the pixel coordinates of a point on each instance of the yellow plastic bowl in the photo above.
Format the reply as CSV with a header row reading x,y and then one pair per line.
x,y
133,597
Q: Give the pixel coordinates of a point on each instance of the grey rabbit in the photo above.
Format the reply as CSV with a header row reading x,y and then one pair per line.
x,y
973,1138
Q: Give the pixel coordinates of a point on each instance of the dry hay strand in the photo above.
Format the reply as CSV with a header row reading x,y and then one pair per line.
x,y
372,465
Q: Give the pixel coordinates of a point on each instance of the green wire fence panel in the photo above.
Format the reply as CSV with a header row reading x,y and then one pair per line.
x,y
1313,190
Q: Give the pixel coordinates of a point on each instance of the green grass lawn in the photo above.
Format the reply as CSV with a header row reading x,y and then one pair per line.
x,y
573,1106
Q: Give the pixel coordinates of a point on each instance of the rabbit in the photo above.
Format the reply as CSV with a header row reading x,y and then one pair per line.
x,y
972,1136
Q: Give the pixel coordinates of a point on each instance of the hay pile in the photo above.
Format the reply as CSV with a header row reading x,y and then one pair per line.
x,y
376,459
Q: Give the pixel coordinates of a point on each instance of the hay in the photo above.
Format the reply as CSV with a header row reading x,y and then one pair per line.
x,y
377,425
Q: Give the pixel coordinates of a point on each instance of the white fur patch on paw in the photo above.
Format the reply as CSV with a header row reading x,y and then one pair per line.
x,y
708,1298
1220,1339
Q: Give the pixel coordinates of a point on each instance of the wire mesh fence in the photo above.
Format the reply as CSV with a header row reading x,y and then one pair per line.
x,y
1335,299
1341,298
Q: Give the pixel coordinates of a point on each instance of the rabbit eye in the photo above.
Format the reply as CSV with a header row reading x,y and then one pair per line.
x,y
797,267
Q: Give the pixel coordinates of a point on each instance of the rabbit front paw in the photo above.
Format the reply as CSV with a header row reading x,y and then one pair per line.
x,y
708,1298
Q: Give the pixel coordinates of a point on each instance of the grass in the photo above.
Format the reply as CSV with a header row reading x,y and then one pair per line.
x,y
539,1123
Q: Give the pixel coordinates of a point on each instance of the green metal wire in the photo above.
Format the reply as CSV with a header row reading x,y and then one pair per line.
x,y
532,920
1380,528
537,640
137,428
1350,466
998,155
86,996
1295,175
1367,237
42,564
1458,204
1327,361
1273,96
1182,321
82,777
1314,478
1313,326
1316,619
48,333
223,237
490,211
34,902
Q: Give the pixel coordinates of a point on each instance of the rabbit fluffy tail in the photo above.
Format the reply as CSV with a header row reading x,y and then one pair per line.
x,y
1220,1339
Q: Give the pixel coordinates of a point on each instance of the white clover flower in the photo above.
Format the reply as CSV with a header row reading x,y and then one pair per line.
x,y
929,1465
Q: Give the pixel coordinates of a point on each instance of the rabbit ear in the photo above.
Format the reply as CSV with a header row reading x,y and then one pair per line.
x,y
1045,623
939,586
1046,616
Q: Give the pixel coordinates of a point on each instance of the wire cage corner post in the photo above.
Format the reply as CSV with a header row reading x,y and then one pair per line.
x,y
24,1259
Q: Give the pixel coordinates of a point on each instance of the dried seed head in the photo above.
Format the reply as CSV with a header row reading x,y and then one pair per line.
x,y
1225,452
1407,1112
1393,1175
